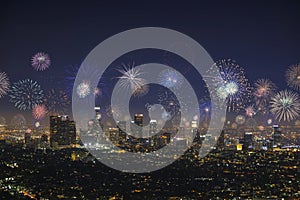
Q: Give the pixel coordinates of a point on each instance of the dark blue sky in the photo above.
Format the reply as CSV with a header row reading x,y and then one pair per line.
x,y
263,37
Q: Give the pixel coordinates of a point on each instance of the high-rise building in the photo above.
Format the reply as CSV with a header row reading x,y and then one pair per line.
x,y
248,140
62,130
138,119
27,138
137,125
221,140
122,131
152,127
276,136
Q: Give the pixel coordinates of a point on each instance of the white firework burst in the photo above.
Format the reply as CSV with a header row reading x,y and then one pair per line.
x,y
4,84
285,105
293,76
131,78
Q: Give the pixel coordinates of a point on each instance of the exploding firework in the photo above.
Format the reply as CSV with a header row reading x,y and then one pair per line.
x,y
39,111
37,124
293,76
40,61
250,111
69,80
251,123
2,121
141,91
285,105
25,94
264,89
269,121
234,86
18,121
131,78
57,102
83,89
240,119
297,123
4,84
112,111
170,78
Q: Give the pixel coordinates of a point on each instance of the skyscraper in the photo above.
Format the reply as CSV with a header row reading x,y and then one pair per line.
x,y
137,126
276,136
152,127
248,140
62,130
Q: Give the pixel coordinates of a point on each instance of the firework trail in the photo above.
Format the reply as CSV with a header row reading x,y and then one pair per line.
x,y
25,94
285,105
4,84
56,102
40,61
293,76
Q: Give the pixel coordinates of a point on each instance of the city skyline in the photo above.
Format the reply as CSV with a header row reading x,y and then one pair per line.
x,y
149,100
54,76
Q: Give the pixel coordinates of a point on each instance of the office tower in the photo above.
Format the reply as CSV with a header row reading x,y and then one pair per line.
x,y
62,130
248,140
138,119
276,136
221,140
122,131
152,127
137,126
27,138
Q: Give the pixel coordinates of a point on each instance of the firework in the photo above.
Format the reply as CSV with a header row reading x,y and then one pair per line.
x,y
297,123
39,111
2,121
264,89
251,123
83,89
37,124
18,121
4,84
56,102
285,105
233,87
25,94
240,119
40,61
131,78
269,121
170,78
293,76
250,111
141,91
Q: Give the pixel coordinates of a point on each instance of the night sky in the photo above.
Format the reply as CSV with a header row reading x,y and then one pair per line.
x,y
263,37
